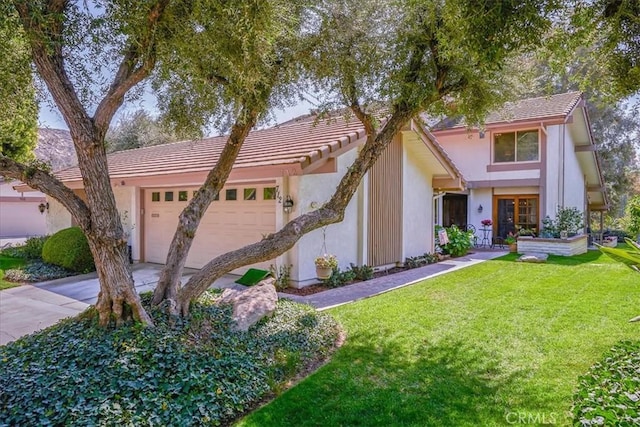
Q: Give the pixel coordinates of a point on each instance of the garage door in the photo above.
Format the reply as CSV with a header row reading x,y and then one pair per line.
x,y
241,215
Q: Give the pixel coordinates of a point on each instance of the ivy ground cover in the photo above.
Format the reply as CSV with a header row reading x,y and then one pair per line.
x,y
499,343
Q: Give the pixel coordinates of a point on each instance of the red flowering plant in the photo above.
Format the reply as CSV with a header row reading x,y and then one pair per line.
x,y
486,223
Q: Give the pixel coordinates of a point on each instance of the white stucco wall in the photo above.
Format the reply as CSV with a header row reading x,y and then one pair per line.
x,y
128,207
417,210
58,217
341,238
574,192
19,214
477,197
565,182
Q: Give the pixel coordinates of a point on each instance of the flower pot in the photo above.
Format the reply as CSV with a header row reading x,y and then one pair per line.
x,y
323,273
513,247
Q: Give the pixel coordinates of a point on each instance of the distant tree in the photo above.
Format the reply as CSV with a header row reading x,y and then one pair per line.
x,y
19,112
137,129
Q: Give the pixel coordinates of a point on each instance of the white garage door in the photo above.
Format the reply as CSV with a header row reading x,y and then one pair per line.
x,y
241,215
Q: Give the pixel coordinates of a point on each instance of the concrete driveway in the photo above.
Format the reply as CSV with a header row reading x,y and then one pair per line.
x,y
29,308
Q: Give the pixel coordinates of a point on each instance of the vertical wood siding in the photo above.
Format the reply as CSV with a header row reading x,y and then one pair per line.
x,y
385,207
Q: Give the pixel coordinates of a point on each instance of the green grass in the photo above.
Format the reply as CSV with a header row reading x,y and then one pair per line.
x,y
487,345
7,263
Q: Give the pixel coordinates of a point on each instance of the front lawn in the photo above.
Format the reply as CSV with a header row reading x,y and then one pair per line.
x,y
499,343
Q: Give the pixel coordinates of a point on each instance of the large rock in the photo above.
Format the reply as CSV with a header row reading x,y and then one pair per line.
x,y
534,257
251,304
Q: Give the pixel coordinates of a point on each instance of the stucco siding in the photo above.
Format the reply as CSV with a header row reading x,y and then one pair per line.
x,y
477,197
312,191
417,208
58,217
574,193
19,214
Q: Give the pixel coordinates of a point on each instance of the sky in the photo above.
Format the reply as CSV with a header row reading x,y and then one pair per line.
x,y
49,117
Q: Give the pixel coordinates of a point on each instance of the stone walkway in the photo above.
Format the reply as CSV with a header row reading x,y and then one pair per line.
x,y
29,308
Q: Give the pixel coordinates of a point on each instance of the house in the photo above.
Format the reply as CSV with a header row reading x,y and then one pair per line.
x,y
22,212
389,218
529,159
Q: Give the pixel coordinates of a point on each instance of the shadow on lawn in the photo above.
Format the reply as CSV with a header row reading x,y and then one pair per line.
x,y
374,381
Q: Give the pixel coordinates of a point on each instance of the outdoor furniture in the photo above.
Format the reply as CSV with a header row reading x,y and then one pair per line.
x,y
486,241
497,241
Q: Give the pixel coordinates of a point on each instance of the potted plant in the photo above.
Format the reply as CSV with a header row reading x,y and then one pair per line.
x,y
511,240
325,265
486,223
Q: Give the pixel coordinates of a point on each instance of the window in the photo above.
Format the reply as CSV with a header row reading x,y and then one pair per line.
x,y
231,194
514,213
269,193
155,196
521,146
182,196
168,196
249,193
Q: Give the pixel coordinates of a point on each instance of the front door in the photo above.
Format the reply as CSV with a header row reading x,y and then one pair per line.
x,y
454,210
512,213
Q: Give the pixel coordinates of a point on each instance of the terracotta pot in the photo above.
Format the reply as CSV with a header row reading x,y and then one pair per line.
x,y
323,273
513,247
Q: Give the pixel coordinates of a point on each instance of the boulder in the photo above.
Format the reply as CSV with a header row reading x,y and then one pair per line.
x,y
251,304
534,257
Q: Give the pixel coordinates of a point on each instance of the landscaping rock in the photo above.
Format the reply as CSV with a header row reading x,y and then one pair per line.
x,y
534,257
252,304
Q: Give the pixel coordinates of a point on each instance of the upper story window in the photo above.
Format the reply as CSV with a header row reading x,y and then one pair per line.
x,y
521,146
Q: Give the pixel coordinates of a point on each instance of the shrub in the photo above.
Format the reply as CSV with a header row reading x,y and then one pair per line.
x,y
339,278
609,393
281,276
570,220
194,371
414,262
459,241
32,248
363,273
69,249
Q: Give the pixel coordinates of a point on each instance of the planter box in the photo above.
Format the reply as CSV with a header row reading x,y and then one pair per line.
x,y
570,246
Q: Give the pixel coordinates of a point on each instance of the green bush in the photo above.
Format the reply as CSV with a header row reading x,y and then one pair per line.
x,y
364,272
459,241
609,394
32,248
69,249
339,278
194,371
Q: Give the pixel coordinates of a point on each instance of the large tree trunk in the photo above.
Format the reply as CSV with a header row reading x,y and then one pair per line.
x,y
190,217
277,243
118,300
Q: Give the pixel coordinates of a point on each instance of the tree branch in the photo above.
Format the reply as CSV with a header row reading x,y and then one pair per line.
x,y
46,47
129,73
51,186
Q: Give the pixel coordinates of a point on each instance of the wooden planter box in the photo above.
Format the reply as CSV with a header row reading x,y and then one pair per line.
x,y
566,247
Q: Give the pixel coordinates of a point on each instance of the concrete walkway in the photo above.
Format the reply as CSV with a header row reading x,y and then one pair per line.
x,y
29,308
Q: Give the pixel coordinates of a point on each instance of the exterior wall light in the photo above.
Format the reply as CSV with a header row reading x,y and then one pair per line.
x,y
43,207
480,209
287,205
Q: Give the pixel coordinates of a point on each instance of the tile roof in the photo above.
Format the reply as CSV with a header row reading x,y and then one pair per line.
x,y
540,108
293,142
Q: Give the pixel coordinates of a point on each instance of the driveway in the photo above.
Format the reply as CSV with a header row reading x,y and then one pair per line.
x,y
29,308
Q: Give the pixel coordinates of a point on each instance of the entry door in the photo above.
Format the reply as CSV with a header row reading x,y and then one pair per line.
x,y
454,210
511,213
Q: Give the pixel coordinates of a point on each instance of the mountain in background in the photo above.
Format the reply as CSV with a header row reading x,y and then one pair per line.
x,y
55,147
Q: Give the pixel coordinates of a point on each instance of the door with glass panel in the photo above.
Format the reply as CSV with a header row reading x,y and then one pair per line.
x,y
512,213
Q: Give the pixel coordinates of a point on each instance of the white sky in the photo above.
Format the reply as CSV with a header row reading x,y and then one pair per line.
x,y
50,117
